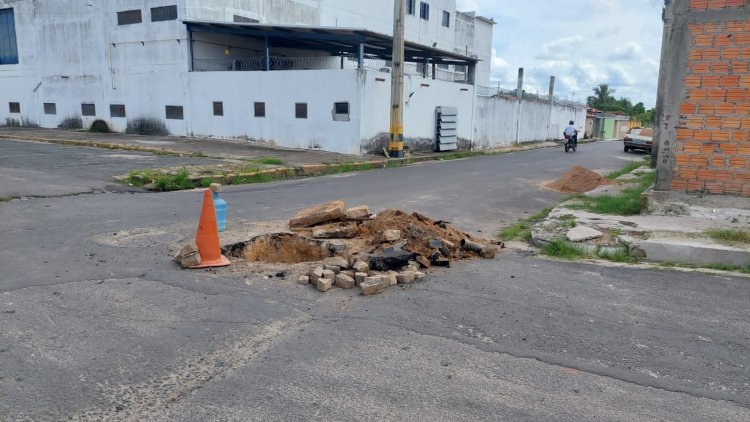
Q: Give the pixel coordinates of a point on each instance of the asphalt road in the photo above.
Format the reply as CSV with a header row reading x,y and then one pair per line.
x,y
95,321
32,169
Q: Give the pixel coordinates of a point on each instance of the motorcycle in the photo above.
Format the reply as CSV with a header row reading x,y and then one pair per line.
x,y
570,143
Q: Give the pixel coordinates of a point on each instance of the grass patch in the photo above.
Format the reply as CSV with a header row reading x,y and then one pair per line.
x,y
628,202
522,229
270,161
615,231
350,167
626,169
161,181
729,236
744,269
564,250
617,256
7,198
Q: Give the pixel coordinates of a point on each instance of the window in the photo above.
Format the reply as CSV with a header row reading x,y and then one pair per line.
x,y
174,112
341,112
164,13
117,110
218,108
300,110
88,109
14,107
8,47
424,10
129,17
260,109
50,108
411,7
243,19
446,19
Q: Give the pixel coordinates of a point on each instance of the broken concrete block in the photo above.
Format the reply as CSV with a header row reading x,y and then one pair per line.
x,y
303,279
350,273
583,233
335,268
372,286
344,281
392,235
488,253
359,278
324,284
332,211
335,231
435,243
361,267
424,262
358,213
190,260
441,262
188,249
419,275
337,261
406,277
390,260
315,274
392,278
328,274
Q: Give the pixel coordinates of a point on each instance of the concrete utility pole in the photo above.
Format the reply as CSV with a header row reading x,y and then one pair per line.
x,y
396,146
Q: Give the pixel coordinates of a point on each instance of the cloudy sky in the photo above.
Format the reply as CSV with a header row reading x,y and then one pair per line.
x,y
582,42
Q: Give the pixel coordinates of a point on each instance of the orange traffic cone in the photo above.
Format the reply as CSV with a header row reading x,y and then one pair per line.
x,y
207,237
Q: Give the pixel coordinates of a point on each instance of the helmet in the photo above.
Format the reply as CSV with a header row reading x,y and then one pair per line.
x,y
571,122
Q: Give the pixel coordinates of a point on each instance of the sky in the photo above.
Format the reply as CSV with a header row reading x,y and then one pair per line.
x,y
582,43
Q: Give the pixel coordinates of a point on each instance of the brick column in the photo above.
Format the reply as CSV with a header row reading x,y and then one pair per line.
x,y
704,98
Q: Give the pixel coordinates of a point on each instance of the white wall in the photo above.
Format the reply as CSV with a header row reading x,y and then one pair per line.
x,y
419,112
280,90
498,122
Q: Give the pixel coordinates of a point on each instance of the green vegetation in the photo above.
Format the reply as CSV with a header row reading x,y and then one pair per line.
x,y
628,202
350,167
161,181
729,236
604,100
7,198
617,256
564,250
745,269
522,229
270,161
626,169
615,231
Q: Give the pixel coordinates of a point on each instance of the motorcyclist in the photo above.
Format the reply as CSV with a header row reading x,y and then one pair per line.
x,y
572,133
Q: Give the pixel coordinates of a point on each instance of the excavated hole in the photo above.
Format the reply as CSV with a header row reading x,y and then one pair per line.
x,y
284,248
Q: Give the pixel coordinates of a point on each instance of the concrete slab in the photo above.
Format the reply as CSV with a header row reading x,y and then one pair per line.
x,y
694,251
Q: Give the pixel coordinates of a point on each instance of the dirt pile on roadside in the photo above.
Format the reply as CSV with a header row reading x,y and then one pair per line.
x,y
578,180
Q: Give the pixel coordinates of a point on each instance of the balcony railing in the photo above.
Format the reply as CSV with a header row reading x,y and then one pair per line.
x,y
252,64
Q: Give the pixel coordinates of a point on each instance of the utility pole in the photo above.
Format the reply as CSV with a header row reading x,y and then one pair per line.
x,y
396,146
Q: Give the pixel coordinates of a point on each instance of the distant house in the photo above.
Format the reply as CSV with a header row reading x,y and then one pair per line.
x,y
607,125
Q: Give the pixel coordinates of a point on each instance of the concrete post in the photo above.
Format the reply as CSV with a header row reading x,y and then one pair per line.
x,y
551,88
267,54
396,146
519,97
519,89
361,56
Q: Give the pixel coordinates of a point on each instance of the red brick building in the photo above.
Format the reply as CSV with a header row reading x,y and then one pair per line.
x,y
703,106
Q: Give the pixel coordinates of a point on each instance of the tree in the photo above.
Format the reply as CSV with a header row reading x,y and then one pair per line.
x,y
603,97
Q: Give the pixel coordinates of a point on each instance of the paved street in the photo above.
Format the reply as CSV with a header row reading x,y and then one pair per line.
x,y
96,321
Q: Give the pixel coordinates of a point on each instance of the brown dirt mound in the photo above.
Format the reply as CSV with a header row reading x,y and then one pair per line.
x,y
416,229
579,180
283,248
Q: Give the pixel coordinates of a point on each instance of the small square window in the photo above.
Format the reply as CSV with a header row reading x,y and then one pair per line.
x,y
341,112
300,110
260,109
411,7
218,108
88,109
14,107
174,112
50,108
424,11
117,110
129,17
446,19
164,13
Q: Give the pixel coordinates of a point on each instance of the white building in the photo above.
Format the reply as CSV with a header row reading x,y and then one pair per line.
x,y
296,73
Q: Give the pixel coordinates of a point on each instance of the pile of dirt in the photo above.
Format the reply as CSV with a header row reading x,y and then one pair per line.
x,y
285,248
579,180
416,230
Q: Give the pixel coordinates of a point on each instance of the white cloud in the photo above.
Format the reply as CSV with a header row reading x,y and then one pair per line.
x,y
582,42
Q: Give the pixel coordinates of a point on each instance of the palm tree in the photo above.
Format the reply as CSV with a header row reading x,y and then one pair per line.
x,y
602,97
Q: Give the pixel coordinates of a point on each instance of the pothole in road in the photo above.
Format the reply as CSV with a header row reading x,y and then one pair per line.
x,y
286,248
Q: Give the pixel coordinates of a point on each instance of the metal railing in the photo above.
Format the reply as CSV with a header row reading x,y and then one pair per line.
x,y
323,62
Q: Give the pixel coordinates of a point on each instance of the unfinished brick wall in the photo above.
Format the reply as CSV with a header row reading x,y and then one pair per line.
x,y
711,133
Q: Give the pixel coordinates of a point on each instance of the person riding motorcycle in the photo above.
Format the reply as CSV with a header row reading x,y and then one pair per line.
x,y
571,133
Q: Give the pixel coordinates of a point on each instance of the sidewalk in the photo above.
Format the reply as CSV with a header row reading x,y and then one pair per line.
x,y
672,229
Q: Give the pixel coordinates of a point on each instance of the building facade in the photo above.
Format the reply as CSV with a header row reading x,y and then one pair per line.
x,y
703,106
295,73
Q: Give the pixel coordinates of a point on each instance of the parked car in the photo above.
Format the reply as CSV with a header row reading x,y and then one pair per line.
x,y
639,138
